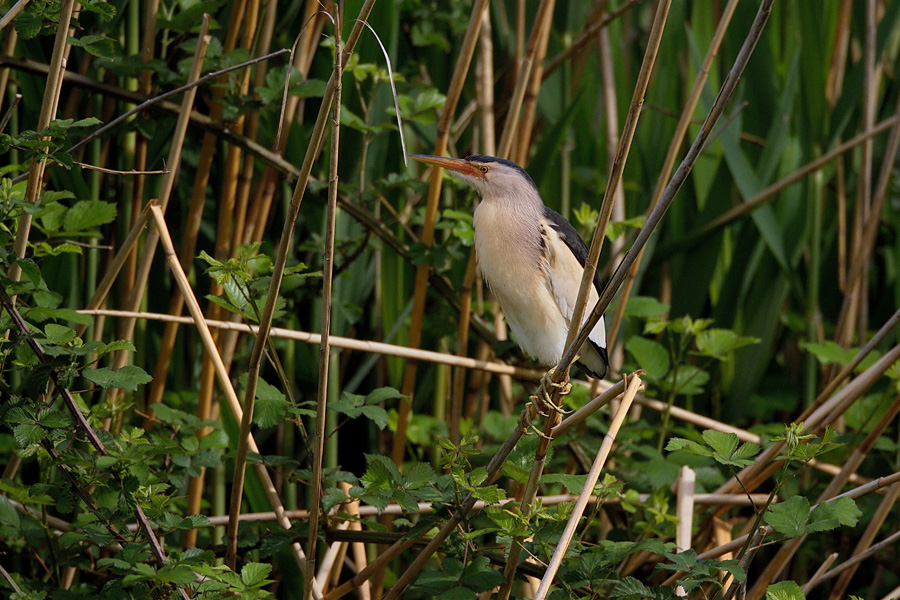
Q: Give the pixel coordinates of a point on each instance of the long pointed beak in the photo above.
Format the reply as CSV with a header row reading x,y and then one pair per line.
x,y
456,165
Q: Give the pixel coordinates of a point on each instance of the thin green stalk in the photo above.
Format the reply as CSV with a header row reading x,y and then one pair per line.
x,y
325,358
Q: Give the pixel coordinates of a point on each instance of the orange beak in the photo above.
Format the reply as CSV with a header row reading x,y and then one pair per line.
x,y
456,165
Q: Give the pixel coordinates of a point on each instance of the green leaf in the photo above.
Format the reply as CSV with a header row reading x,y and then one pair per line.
x,y
832,514
789,518
28,433
254,574
128,377
645,307
651,356
828,352
381,474
88,214
271,405
785,590
58,334
98,45
418,475
719,343
726,449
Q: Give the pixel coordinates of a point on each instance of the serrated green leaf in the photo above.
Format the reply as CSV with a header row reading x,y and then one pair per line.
x,y
58,334
676,444
828,352
832,514
254,574
28,433
789,518
785,590
271,405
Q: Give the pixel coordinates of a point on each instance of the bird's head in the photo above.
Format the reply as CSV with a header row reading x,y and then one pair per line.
x,y
494,178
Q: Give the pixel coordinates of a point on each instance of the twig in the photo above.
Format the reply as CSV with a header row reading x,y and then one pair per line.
x,y
817,576
632,388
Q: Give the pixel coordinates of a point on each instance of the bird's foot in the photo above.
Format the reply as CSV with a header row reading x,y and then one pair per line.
x,y
543,399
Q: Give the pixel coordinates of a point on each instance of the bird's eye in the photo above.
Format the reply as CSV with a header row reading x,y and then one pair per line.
x,y
484,169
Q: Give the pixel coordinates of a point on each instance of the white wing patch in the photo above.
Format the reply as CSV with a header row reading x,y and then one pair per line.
x,y
564,274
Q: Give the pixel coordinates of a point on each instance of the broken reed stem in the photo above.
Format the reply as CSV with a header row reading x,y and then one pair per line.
x,y
787,551
220,372
48,113
457,82
677,180
736,544
318,446
817,576
612,186
632,388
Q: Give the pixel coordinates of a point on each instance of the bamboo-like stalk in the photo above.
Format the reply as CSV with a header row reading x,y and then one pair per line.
x,y
787,551
358,548
668,195
318,446
220,371
632,388
47,114
817,576
126,326
457,81
865,540
339,342
613,182
540,37
681,130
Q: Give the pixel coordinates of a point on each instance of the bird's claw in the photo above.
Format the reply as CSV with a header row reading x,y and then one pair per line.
x,y
544,398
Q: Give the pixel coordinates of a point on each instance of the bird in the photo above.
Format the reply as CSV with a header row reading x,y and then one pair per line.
x,y
531,257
